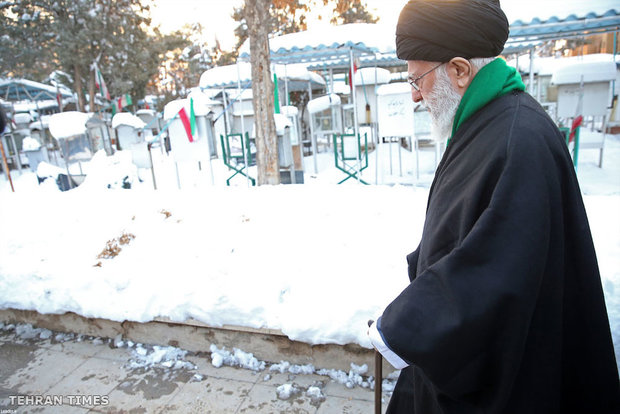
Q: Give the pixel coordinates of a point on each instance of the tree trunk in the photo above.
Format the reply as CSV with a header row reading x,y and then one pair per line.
x,y
91,91
257,17
78,87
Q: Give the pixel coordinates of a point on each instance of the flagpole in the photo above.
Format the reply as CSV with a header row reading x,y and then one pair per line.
x,y
356,130
245,150
5,164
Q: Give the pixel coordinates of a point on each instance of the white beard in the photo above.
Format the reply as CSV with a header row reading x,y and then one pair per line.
x,y
442,103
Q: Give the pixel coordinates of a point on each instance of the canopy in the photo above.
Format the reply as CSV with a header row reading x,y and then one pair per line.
x,y
523,36
382,60
27,90
329,43
569,27
228,76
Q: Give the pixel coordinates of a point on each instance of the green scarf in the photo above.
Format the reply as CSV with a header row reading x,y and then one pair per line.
x,y
492,81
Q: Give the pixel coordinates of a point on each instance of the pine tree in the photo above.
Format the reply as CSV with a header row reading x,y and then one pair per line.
x,y
350,11
25,42
45,35
285,16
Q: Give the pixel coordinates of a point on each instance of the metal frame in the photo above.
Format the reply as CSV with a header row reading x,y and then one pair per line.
x,y
245,158
361,164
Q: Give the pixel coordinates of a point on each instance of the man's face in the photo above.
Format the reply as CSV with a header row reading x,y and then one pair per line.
x,y
437,94
417,68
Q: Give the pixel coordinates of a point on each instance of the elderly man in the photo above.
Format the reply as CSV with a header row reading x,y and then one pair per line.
x,y
505,311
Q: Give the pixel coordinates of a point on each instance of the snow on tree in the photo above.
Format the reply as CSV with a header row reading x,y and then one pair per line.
x,y
350,11
44,35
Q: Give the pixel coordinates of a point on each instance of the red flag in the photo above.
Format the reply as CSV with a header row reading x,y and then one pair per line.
x,y
573,129
352,74
186,124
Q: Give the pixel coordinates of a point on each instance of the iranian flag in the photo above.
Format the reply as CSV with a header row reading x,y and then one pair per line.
x,y
189,123
124,101
119,103
100,83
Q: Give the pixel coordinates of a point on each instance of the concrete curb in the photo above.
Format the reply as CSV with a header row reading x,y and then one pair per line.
x,y
266,344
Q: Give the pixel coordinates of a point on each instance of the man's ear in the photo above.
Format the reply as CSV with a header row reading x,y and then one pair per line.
x,y
461,72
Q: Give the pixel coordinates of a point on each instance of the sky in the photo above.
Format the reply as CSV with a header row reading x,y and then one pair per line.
x,y
215,14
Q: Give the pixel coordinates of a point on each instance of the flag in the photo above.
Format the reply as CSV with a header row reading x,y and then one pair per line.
x,y
186,124
573,128
276,94
124,101
99,82
192,116
119,103
350,78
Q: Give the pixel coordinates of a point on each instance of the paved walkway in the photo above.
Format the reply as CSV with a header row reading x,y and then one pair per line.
x,y
86,375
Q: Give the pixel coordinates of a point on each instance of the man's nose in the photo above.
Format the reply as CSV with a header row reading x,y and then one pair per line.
x,y
416,95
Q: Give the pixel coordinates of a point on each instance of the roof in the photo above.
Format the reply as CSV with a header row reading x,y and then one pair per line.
x,y
588,71
330,47
27,90
547,65
228,76
382,60
568,27
329,43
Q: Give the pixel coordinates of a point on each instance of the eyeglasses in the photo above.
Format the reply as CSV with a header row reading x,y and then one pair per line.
x,y
414,81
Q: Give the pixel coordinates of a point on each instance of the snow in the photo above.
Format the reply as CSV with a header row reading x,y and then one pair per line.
x,y
286,391
547,65
237,358
527,10
231,75
371,76
164,356
394,88
30,144
315,393
68,124
375,36
586,71
129,119
286,367
173,358
314,261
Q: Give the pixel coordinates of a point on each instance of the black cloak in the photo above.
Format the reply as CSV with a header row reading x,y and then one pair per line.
x,y
505,310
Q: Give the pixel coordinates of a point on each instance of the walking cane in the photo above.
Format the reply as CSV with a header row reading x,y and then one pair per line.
x,y
378,377
378,380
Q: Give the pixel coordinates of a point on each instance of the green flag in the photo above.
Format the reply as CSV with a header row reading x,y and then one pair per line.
x,y
276,95
192,116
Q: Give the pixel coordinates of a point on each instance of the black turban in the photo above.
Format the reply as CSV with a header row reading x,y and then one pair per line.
x,y
439,30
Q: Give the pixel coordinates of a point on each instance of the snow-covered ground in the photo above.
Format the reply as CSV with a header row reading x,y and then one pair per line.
x,y
315,261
